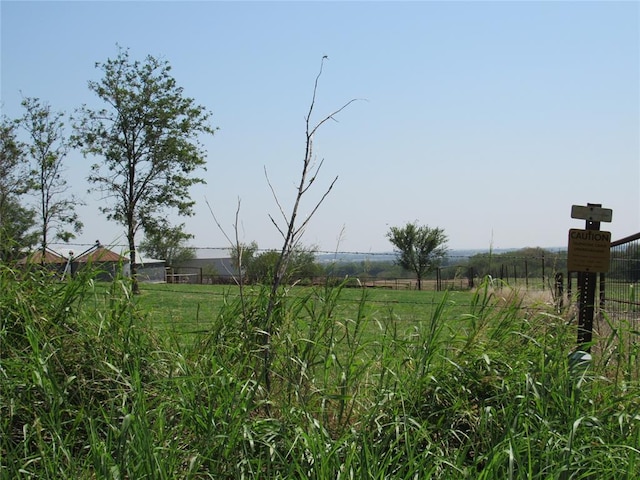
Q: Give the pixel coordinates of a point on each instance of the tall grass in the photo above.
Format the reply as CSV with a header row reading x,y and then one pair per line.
x,y
91,389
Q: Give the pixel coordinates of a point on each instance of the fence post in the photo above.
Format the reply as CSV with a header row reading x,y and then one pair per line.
x,y
559,292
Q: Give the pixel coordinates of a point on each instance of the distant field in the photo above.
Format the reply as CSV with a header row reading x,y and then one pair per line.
x,y
195,304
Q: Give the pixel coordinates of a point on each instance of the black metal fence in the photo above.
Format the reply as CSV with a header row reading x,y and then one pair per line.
x,y
619,295
618,309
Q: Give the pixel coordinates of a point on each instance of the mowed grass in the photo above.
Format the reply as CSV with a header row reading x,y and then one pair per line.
x,y
187,312
363,383
183,307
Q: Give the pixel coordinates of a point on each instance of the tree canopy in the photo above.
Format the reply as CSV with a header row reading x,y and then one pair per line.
x,y
16,220
419,249
47,146
147,137
166,242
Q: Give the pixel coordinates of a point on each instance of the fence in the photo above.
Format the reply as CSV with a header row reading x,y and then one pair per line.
x,y
619,296
535,272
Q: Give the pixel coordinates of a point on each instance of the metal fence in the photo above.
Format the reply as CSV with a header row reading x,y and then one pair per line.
x,y
618,319
619,295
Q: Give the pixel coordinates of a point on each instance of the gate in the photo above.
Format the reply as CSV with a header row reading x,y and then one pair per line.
x,y
620,301
620,297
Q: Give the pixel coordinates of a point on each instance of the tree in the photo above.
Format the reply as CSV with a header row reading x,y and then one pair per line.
x,y
167,243
16,230
261,268
16,220
147,136
291,227
47,148
419,248
242,254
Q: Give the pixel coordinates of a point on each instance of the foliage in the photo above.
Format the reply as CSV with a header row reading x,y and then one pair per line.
x,y
16,220
48,147
166,242
420,249
147,137
301,265
366,269
13,174
16,230
260,266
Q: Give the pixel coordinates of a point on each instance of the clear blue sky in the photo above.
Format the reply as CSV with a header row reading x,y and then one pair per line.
x,y
487,119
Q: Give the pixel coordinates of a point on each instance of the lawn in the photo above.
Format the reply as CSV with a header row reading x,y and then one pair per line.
x,y
186,307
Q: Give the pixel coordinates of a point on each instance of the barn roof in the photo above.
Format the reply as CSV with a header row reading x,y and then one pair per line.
x,y
101,254
49,257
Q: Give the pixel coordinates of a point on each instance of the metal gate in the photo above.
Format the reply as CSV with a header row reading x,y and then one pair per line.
x,y
620,304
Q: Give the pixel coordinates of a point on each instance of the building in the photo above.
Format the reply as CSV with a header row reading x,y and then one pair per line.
x,y
107,263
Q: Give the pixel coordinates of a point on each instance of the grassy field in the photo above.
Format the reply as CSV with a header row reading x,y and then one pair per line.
x,y
362,383
193,308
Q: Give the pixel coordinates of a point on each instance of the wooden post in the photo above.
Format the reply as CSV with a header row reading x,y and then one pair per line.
x,y
559,291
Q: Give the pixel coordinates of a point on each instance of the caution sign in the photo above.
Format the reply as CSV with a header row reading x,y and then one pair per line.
x,y
589,251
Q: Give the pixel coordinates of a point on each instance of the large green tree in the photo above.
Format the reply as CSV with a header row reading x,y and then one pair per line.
x,y
167,242
16,220
48,146
147,136
419,249
301,265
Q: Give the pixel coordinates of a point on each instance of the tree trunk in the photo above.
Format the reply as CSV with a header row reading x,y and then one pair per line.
x,y
133,267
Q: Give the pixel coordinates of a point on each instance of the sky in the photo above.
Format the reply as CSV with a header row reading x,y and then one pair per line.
x,y
486,119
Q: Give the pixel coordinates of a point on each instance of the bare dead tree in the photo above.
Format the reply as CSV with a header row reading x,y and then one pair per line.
x,y
291,228
237,247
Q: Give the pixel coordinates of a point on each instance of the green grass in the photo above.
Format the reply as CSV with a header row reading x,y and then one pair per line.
x,y
187,309
365,383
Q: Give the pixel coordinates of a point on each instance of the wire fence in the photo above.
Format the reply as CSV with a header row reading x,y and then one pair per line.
x,y
460,273
619,296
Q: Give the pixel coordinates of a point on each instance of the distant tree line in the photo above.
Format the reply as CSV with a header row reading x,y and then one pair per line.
x,y
530,262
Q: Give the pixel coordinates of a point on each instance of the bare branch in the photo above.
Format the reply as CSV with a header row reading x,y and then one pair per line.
x,y
277,226
215,219
293,234
313,178
275,197
237,245
326,193
331,116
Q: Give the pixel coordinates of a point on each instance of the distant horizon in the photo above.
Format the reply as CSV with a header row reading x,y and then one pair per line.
x,y
63,248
